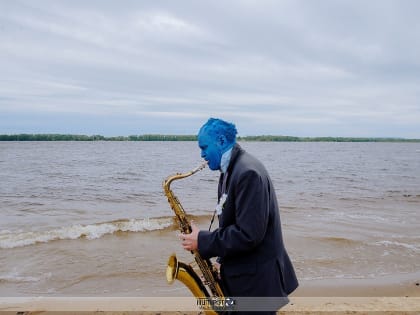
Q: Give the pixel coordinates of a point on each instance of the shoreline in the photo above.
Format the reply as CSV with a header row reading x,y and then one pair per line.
x,y
401,285
387,295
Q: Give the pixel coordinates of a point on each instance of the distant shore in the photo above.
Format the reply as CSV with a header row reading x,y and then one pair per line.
x,y
162,137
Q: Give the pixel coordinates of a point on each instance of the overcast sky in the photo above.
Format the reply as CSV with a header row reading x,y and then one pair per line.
x,y
300,68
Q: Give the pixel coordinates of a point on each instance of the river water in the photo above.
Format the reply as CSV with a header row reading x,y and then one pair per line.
x,y
91,219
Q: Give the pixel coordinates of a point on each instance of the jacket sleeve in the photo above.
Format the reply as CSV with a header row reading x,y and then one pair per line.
x,y
251,206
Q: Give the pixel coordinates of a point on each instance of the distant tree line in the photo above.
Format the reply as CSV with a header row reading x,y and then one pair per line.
x,y
159,137
163,138
324,139
63,137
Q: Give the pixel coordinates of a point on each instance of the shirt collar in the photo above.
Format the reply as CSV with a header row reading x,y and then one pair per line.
x,y
224,162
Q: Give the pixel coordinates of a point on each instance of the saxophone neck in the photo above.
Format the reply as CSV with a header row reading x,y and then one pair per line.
x,y
167,182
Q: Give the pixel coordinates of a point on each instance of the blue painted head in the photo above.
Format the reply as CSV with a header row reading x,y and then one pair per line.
x,y
215,137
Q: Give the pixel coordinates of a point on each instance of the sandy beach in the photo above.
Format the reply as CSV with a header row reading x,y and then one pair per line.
x,y
381,296
120,306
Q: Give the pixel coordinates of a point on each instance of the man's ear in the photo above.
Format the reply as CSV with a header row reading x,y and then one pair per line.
x,y
222,141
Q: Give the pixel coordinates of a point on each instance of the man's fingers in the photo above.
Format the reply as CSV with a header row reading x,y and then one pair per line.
x,y
185,239
193,225
189,241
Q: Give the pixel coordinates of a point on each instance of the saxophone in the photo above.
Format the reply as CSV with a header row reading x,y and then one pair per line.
x,y
209,288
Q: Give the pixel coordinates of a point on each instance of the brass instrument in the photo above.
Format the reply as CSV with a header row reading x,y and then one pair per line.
x,y
210,288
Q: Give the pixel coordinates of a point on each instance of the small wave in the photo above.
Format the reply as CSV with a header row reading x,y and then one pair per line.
x,y
339,240
15,277
90,232
412,247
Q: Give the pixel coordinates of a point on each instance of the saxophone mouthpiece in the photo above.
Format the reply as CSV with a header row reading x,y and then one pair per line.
x,y
199,168
202,166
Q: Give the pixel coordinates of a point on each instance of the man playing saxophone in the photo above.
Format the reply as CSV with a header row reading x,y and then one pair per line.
x,y
248,242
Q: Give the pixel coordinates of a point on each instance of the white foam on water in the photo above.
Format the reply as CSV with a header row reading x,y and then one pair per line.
x,y
412,247
93,231
15,277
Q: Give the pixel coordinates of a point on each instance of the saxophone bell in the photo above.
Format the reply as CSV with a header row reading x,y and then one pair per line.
x,y
172,269
186,274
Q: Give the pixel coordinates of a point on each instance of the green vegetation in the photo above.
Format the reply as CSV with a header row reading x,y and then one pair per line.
x,y
49,137
324,139
60,137
158,137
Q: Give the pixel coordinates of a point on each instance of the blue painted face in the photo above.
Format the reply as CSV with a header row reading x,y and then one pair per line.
x,y
211,150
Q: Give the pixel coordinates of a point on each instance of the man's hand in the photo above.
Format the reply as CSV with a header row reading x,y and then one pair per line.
x,y
190,241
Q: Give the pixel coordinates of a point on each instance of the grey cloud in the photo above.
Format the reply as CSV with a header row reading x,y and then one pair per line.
x,y
273,66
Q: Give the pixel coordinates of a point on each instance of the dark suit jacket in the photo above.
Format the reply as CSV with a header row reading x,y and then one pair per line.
x,y
249,239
